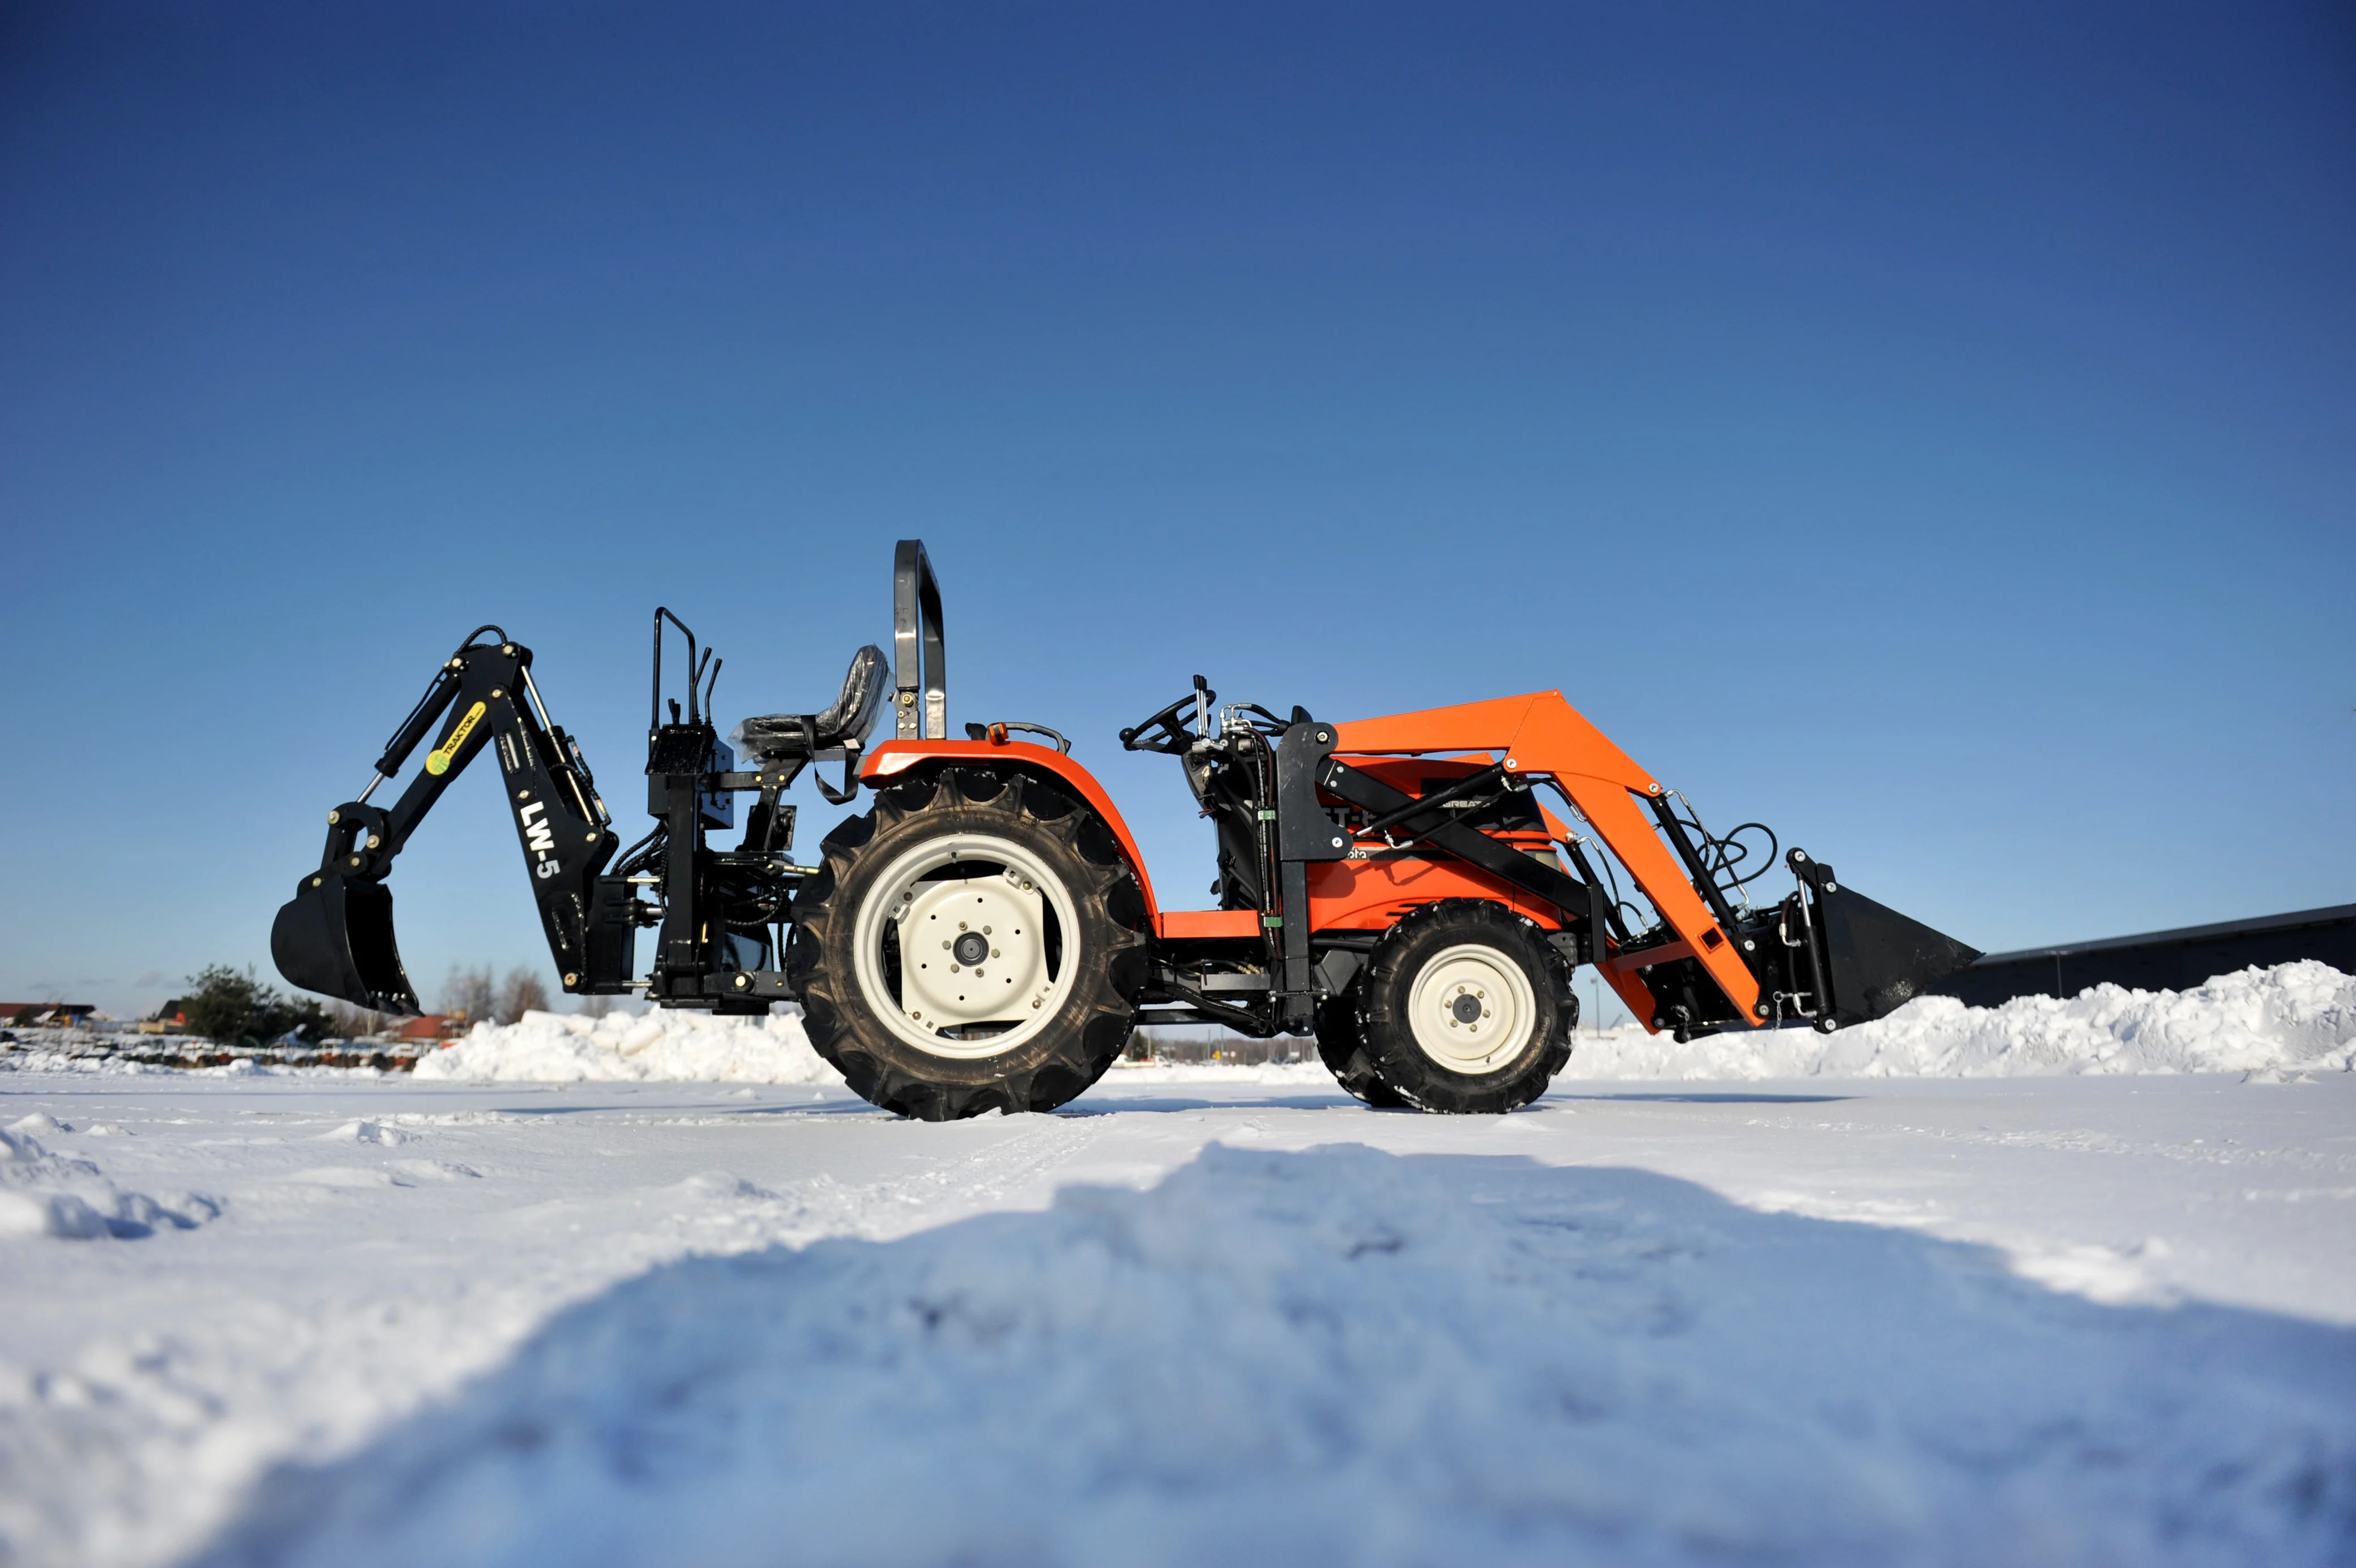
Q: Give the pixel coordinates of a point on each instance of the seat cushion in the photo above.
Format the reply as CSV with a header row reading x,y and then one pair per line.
x,y
850,716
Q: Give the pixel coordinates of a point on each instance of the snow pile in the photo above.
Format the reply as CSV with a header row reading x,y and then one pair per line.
x,y
2263,1021
42,1193
661,1045
1345,1356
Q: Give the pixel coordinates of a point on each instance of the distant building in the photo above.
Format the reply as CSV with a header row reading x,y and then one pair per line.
x,y
169,1019
433,1027
54,1015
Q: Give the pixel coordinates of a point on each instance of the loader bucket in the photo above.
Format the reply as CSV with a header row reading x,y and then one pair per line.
x,y
335,937
1878,958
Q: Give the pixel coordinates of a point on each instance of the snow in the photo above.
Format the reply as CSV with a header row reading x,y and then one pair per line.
x,y
660,1044
2272,1021
2090,1297
44,1194
1347,1356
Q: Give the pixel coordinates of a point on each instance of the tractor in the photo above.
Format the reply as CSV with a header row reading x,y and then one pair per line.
x,y
1415,891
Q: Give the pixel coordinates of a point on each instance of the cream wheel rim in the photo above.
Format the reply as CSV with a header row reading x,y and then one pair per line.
x,y
1472,1009
974,976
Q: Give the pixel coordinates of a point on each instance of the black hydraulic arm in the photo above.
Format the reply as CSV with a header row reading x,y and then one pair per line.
x,y
1430,821
335,935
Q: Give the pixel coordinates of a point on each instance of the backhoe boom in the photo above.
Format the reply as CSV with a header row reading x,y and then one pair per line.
x,y
335,935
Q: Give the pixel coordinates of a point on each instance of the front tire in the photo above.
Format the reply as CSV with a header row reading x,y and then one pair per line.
x,y
973,944
1465,1007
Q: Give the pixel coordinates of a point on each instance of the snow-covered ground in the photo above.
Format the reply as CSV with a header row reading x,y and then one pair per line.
x,y
314,1319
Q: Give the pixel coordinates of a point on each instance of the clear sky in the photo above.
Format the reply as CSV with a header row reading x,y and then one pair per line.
x,y
1932,432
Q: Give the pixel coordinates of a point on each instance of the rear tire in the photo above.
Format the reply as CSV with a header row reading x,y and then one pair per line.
x,y
1342,1045
1465,1007
1038,1008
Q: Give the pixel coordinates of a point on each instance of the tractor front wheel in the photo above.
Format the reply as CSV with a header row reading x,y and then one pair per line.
x,y
974,943
1465,1006
1341,1045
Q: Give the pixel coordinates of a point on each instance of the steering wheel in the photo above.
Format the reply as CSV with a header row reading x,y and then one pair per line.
x,y
1162,732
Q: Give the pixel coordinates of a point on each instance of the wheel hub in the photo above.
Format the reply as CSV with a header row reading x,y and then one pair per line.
x,y
1472,1009
971,913
971,951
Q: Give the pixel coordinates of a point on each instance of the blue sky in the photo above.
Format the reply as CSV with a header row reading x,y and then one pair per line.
x,y
1932,432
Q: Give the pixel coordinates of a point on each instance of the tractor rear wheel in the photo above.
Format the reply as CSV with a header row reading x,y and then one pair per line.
x,y
1465,1006
974,943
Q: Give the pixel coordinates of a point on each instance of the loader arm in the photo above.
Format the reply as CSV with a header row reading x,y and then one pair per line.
x,y
335,935
1541,735
1622,979
1828,955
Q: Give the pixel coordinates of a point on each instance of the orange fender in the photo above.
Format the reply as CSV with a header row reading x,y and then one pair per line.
x,y
898,755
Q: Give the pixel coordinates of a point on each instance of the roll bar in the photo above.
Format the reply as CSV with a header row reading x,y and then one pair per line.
x,y
917,650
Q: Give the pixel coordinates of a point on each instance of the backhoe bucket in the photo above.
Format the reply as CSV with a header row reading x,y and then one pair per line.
x,y
1878,960
335,937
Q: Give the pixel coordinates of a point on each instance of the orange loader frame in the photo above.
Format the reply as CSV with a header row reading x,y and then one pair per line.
x,y
1543,736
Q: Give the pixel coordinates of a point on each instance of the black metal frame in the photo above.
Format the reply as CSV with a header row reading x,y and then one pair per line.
x,y
720,914
335,935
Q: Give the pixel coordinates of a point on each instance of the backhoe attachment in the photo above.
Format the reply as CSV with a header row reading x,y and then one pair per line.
x,y
335,935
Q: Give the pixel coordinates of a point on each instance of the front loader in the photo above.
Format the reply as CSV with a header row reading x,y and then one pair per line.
x,y
985,936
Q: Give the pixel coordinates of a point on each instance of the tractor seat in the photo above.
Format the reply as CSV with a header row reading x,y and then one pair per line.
x,y
850,719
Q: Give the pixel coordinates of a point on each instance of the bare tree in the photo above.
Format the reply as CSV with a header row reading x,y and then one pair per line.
x,y
519,993
596,1007
350,1023
469,994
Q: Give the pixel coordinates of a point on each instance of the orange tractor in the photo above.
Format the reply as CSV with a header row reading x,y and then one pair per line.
x,y
985,936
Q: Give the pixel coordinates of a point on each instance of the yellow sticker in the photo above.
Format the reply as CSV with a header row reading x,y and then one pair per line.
x,y
437,761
